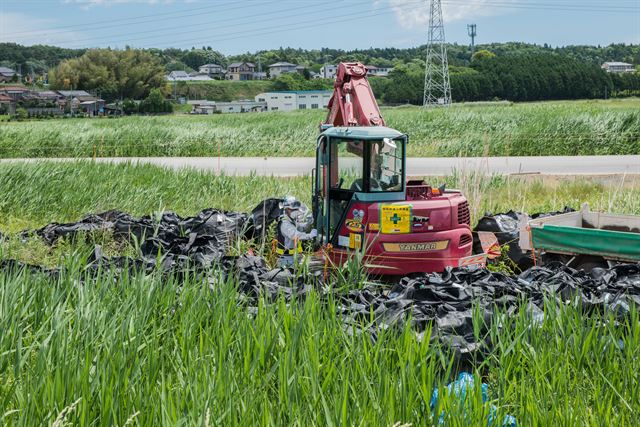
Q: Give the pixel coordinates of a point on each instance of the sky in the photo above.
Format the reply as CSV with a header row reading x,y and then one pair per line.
x,y
234,27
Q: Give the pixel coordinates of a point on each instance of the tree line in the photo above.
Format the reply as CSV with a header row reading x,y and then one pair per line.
x,y
42,57
510,71
535,77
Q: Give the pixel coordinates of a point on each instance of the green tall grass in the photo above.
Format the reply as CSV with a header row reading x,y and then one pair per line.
x,y
142,350
136,352
36,194
552,128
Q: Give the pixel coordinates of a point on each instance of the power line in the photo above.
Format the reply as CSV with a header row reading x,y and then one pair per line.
x,y
122,21
315,22
208,23
551,6
493,3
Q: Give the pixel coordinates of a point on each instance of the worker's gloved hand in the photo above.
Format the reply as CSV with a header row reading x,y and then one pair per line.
x,y
313,233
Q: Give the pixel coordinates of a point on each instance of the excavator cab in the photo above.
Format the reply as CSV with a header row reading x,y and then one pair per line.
x,y
355,166
362,201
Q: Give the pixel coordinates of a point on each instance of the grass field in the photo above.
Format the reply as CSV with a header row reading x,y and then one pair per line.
x,y
552,128
36,194
136,352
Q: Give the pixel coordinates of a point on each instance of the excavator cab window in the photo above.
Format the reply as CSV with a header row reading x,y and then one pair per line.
x,y
385,165
346,169
347,165
371,166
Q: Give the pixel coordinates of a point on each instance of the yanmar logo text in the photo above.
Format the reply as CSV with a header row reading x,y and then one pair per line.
x,y
416,247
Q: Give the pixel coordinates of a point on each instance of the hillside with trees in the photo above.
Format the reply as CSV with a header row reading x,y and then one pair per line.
x,y
37,59
512,71
12,54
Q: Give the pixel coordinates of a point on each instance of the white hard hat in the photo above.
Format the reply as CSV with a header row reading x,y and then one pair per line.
x,y
290,202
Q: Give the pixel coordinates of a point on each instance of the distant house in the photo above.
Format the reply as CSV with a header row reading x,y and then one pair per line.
x,y
279,68
7,75
16,93
81,101
374,71
295,99
240,71
7,104
70,94
618,67
212,70
195,77
328,71
49,96
35,102
260,75
178,76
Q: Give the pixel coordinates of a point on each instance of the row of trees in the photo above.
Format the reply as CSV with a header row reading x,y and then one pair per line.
x,y
40,58
512,77
536,73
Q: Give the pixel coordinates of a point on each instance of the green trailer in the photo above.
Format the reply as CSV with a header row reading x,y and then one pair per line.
x,y
584,239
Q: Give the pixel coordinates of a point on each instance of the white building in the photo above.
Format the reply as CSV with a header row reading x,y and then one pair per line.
x,y
618,67
374,71
279,68
213,70
295,100
328,71
213,107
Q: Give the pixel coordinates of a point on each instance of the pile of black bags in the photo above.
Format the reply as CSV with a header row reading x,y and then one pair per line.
x,y
444,301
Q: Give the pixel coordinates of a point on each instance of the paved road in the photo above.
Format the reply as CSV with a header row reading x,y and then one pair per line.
x,y
291,166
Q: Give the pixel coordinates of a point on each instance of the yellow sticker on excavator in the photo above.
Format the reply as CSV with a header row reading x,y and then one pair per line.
x,y
355,241
395,219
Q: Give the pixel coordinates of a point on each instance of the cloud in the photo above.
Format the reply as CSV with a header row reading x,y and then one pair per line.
x,y
29,30
418,16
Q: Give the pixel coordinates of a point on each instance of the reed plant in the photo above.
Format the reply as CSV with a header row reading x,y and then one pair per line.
x,y
529,129
152,350
111,351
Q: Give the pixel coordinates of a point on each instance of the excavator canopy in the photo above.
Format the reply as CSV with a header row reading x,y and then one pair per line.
x,y
362,132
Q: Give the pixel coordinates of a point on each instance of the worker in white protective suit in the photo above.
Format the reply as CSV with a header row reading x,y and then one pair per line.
x,y
292,230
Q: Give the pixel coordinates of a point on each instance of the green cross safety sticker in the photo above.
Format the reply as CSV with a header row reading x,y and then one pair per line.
x,y
395,219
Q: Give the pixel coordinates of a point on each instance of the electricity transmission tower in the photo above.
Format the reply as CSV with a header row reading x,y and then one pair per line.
x,y
471,30
437,88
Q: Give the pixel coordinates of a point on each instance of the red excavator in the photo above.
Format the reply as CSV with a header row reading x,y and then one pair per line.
x,y
362,200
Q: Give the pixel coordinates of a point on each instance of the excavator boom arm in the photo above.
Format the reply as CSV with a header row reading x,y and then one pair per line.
x,y
353,102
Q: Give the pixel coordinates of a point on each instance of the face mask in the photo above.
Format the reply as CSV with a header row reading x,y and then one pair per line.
x,y
301,218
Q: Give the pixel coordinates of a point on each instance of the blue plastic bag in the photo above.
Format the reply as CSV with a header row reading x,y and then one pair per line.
x,y
459,389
